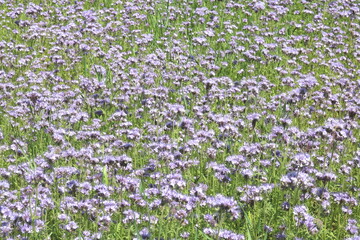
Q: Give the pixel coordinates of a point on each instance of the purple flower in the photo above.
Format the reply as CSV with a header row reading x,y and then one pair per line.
x,y
223,234
285,206
221,171
71,226
352,227
103,190
210,219
144,233
268,229
303,218
224,204
252,194
326,177
297,179
300,161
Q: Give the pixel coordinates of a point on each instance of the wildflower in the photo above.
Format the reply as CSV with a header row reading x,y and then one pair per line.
x,y
352,227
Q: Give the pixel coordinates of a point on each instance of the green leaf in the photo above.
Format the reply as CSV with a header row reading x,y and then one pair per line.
x,y
105,176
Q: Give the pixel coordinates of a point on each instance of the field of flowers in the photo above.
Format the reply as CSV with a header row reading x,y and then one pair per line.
x,y
165,119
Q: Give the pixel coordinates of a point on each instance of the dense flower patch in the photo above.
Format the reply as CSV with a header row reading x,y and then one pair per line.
x,y
179,119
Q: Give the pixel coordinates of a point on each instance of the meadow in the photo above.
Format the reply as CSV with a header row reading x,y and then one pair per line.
x,y
165,119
